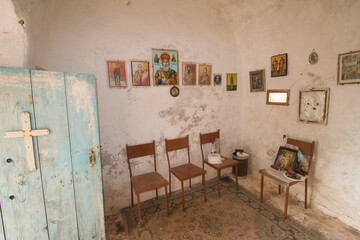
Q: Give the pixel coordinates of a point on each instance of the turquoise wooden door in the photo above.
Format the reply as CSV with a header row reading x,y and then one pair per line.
x,y
62,198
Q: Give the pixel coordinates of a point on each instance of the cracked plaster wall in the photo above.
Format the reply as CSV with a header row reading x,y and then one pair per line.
x,y
267,28
80,36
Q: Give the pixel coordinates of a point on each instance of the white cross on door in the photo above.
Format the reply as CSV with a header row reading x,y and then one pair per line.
x,y
27,134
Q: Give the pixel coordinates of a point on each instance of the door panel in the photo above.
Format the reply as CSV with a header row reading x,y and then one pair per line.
x,y
24,216
54,150
82,110
2,236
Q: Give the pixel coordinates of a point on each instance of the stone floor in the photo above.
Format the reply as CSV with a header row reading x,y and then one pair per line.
x,y
327,226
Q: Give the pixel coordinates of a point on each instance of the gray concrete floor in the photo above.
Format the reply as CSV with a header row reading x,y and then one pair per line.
x,y
329,227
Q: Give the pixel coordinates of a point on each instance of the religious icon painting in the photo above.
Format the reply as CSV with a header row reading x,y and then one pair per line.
x,y
231,82
166,67
117,74
205,74
257,81
217,79
349,68
140,73
279,65
188,73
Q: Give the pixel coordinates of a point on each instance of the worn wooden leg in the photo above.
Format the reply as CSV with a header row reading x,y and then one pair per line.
x,y
182,195
167,201
261,188
236,175
218,181
190,182
286,200
132,194
169,183
279,189
204,184
139,209
157,196
306,186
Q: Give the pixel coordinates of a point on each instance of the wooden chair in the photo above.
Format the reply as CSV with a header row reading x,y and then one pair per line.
x,y
209,138
307,148
186,171
148,181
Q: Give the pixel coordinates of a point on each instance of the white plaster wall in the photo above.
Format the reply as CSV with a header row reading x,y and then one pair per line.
x,y
82,35
267,28
13,39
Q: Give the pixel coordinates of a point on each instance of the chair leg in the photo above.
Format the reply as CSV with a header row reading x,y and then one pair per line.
x,y
157,196
218,181
279,189
139,209
204,184
306,187
182,195
169,183
236,175
190,182
286,200
132,195
167,201
261,188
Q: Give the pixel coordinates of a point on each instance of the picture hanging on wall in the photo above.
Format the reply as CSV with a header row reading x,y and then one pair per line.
x,y
117,74
205,74
140,73
231,82
189,73
257,81
279,65
217,79
314,105
166,67
349,68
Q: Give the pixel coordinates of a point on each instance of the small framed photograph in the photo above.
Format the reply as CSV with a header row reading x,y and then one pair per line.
x,y
116,74
189,73
257,81
166,67
217,79
231,82
279,65
286,159
205,74
314,105
349,68
140,73
278,97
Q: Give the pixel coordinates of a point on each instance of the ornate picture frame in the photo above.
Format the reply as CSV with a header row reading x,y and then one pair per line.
x,y
278,97
116,74
165,66
205,74
217,79
314,105
348,68
231,82
257,81
140,73
286,159
279,65
188,74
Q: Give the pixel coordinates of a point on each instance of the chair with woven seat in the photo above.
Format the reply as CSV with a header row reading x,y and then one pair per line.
x,y
147,181
185,171
307,148
226,163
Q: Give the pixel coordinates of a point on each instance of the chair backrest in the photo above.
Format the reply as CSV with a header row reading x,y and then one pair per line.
x,y
208,138
306,148
177,144
140,150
